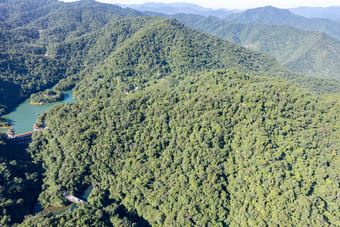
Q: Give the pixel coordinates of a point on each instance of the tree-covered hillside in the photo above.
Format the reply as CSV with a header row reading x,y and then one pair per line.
x,y
158,47
308,52
21,75
172,126
272,15
30,30
20,182
145,47
20,13
219,148
81,34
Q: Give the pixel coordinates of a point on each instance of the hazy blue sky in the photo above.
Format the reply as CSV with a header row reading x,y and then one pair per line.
x,y
237,4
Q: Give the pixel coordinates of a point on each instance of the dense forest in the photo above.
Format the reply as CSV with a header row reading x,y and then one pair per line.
x,y
72,37
47,96
139,48
218,147
22,75
29,32
20,182
172,126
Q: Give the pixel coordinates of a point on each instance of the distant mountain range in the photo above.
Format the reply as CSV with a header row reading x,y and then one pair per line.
x,y
309,52
272,15
332,12
174,8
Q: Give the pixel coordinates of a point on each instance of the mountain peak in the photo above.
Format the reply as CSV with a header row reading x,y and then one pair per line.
x,y
272,15
268,15
265,15
270,9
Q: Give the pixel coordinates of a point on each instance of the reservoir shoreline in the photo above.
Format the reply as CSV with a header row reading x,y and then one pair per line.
x,y
25,115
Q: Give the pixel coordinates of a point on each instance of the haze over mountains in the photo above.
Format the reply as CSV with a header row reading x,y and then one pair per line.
x,y
272,15
267,15
173,126
174,8
332,12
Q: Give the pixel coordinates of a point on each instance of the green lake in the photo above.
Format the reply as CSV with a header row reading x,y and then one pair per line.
x,y
60,210
22,118
25,115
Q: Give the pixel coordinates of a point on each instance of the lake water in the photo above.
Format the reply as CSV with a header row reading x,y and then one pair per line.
x,y
69,208
22,118
25,115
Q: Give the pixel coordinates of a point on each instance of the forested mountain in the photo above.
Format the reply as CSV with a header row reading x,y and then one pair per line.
x,y
212,148
307,52
26,12
130,44
332,12
59,24
175,8
46,36
173,126
56,21
272,15
25,43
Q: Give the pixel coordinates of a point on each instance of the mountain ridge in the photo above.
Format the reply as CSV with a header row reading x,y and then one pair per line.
x,y
272,15
287,44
